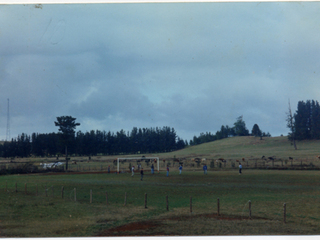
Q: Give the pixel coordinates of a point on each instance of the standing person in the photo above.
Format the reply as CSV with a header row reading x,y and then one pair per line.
x,y
132,170
167,170
180,169
205,168
152,169
240,168
109,169
141,172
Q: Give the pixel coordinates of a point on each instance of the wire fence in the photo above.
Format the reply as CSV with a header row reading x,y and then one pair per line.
x,y
110,166
49,192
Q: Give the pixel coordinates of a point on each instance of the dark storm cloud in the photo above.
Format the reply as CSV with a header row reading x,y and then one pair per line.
x,y
191,66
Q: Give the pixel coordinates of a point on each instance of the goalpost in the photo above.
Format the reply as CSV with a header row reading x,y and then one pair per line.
x,y
138,158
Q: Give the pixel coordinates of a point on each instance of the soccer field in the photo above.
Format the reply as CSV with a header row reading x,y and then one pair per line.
x,y
61,205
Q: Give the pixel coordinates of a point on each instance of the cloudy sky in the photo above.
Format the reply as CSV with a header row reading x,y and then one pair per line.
x,y
190,66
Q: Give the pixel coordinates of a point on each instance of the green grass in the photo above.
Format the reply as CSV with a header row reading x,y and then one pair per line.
x,y
231,149
31,215
252,147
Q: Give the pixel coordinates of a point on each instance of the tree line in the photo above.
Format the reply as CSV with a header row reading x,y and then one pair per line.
x,y
304,124
239,129
139,140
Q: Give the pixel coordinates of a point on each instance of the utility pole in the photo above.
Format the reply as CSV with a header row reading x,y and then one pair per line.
x,y
8,123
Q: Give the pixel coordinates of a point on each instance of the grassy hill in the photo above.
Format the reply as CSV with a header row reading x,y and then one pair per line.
x,y
230,148
250,147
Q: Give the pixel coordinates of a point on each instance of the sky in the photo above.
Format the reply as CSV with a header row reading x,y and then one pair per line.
x,y
190,66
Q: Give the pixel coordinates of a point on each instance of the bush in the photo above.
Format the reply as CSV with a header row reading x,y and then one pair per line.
x,y
29,168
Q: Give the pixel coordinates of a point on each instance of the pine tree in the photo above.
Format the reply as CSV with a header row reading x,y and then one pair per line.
x,y
256,131
240,127
67,126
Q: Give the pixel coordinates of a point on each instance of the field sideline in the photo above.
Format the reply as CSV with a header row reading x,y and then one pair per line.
x,y
37,209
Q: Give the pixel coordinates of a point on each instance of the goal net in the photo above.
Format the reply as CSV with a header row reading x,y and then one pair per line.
x,y
138,159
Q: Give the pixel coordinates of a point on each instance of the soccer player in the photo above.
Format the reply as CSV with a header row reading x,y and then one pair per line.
x,y
132,170
167,170
152,169
205,168
240,168
180,169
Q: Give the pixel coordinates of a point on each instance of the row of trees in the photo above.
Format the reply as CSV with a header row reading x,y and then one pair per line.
x,y
305,122
145,140
239,129
142,140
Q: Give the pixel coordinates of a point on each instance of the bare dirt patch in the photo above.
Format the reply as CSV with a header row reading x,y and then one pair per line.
x,y
156,227
133,229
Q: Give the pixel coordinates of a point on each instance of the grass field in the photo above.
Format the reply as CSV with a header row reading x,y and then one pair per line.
x,y
28,214
231,149
37,208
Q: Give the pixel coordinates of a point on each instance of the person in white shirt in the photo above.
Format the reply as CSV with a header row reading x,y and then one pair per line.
x,y
132,171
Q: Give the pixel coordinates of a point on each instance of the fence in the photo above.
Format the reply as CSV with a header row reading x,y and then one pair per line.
x,y
99,165
61,194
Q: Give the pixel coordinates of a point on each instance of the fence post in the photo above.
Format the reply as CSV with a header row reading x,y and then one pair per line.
x,y
125,199
90,195
249,209
284,212
75,194
107,197
218,205
145,200
167,200
62,191
190,204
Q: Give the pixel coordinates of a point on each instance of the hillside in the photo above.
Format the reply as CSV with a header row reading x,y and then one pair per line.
x,y
250,147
